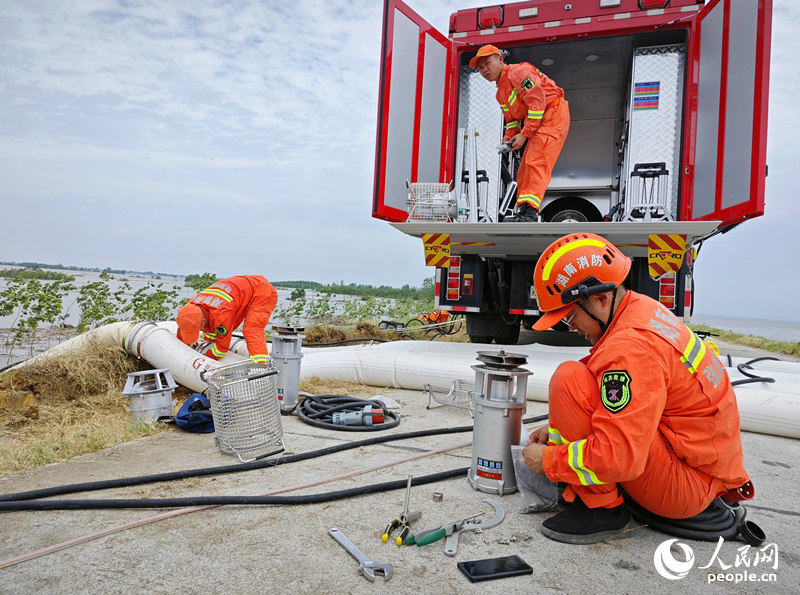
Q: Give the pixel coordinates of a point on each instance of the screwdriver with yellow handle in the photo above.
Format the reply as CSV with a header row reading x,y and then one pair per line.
x,y
404,520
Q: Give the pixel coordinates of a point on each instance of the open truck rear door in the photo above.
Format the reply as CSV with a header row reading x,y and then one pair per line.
x,y
414,88
731,116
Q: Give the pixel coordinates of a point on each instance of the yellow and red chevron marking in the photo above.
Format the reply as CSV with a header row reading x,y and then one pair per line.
x,y
665,253
437,249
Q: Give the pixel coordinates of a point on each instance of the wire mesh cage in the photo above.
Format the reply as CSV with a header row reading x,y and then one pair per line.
x,y
458,395
430,201
244,403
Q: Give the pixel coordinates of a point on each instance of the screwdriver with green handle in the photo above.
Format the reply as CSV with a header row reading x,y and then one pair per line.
x,y
437,533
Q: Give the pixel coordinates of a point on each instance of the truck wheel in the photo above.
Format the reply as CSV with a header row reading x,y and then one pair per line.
x,y
511,338
479,339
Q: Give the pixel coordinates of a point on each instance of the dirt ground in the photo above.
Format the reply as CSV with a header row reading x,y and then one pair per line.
x,y
287,548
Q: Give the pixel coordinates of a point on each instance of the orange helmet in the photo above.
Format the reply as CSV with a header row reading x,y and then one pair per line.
x,y
573,267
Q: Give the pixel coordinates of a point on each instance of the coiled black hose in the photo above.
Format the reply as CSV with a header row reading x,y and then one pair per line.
x,y
318,411
720,519
238,468
752,377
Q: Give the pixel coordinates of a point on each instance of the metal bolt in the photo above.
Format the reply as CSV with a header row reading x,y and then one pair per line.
x,y
437,496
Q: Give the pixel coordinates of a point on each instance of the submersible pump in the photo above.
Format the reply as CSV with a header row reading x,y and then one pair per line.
x,y
286,355
499,403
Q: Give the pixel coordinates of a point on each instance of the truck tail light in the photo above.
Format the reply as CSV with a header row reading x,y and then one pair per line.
x,y
491,17
666,290
643,4
453,23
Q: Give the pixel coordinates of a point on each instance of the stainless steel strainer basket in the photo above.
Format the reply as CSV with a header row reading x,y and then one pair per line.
x,y
244,403
458,395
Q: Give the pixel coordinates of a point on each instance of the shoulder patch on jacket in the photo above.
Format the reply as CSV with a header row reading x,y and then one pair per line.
x,y
615,390
221,331
527,83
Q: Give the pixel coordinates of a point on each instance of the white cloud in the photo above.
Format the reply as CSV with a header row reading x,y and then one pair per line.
x,y
239,136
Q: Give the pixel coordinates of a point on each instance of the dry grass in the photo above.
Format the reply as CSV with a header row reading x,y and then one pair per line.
x,y
318,386
55,410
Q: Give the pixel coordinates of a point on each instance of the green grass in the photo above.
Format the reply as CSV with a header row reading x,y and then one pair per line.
x,y
783,347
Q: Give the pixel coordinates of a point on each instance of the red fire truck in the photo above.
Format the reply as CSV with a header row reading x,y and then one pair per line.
x,y
666,147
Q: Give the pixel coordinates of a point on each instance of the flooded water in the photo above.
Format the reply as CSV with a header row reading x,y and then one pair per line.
x,y
287,312
777,330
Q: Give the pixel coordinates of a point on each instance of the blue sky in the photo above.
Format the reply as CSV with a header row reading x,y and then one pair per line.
x,y
238,137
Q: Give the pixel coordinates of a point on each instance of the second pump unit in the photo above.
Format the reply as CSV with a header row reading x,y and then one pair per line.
x,y
499,403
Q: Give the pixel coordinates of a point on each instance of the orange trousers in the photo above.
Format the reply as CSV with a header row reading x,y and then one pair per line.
x,y
541,153
667,487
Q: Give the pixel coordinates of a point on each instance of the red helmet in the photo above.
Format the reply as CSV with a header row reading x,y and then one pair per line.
x,y
573,267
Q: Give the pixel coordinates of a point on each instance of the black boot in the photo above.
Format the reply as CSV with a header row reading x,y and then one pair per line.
x,y
524,213
580,524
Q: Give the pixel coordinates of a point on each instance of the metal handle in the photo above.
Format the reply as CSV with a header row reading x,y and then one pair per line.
x,y
351,547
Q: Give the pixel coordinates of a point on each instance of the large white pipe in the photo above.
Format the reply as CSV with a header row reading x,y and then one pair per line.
x,y
772,408
156,343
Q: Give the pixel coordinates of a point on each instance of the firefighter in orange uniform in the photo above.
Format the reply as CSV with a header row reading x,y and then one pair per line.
x,y
650,409
534,110
218,310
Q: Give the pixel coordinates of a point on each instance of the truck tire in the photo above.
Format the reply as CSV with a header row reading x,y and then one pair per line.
x,y
485,328
511,338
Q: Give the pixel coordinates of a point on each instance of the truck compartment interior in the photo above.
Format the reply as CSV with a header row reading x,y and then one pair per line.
x,y
597,169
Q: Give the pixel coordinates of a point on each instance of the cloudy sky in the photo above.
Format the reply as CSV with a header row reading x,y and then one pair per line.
x,y
238,137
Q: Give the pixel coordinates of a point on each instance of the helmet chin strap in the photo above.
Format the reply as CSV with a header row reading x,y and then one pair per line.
x,y
603,325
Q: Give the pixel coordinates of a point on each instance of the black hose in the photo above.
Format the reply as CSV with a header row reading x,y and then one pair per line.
x,y
752,377
251,466
225,500
720,519
318,411
346,341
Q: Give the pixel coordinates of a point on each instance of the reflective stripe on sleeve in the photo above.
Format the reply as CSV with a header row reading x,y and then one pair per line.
x,y
554,436
585,475
694,353
259,358
504,107
514,124
209,336
535,114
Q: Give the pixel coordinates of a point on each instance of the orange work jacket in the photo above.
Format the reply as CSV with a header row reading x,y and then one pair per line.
x,y
655,375
524,92
229,302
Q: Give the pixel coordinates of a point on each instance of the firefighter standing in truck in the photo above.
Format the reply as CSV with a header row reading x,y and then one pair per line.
x,y
219,310
650,409
534,110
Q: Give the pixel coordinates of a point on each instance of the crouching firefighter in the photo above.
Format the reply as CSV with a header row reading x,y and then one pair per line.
x,y
218,310
649,414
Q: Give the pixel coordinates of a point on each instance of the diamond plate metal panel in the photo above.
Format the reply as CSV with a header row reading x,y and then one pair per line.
x,y
655,113
479,108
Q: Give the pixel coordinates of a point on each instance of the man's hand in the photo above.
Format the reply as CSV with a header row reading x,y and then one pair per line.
x,y
533,457
539,436
518,141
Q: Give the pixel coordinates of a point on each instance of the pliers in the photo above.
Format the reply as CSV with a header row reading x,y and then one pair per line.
x,y
404,520
437,533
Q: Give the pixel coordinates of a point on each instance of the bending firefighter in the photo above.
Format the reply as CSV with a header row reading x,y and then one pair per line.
x,y
650,412
219,310
535,111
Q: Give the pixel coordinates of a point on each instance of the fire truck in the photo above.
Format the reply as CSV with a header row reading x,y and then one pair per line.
x,y
666,146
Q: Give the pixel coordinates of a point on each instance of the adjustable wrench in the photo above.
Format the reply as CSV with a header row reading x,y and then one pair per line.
x,y
366,565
